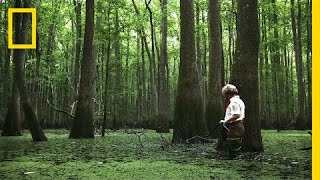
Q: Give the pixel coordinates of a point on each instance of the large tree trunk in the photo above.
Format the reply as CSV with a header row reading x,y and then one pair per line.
x,y
188,117
83,122
214,103
22,22
245,71
163,116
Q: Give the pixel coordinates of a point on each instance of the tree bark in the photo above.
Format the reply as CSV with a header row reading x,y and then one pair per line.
x,y
117,52
188,117
163,116
309,63
77,8
296,30
214,102
245,71
153,84
22,23
6,80
106,82
83,122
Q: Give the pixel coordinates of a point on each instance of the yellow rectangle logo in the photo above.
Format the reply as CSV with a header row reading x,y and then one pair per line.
x,y
33,27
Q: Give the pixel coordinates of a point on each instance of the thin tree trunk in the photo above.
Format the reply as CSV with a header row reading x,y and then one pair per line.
x,y
198,47
262,80
204,63
105,99
309,63
35,93
77,8
118,69
275,70
127,105
154,98
154,93
139,102
163,116
296,29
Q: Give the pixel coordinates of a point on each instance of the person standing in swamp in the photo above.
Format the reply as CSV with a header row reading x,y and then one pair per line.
x,y
232,123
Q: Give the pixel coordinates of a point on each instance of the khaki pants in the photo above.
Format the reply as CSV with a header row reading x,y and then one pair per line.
x,y
236,130
231,140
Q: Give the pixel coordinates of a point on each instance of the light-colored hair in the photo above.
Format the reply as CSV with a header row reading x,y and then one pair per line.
x,y
229,89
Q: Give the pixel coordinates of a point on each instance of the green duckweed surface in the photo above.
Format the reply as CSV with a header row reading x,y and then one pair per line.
x,y
149,155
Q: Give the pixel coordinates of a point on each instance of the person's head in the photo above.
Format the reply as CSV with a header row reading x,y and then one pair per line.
x,y
229,91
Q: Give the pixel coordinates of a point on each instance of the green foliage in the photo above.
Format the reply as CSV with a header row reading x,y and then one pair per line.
x,y
123,156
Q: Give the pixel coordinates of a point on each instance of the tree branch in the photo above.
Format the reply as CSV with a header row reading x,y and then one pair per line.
x,y
58,110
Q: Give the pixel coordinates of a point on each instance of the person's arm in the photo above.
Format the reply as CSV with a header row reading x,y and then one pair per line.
x,y
233,118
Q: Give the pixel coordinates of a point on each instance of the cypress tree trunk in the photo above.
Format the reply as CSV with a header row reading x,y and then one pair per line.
x,y
214,103
245,71
22,22
188,117
83,122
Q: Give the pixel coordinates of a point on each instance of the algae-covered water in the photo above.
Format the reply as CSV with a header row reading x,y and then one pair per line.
x,y
149,155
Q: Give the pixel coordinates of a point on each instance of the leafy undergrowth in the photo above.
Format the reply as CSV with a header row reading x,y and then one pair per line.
x,y
149,155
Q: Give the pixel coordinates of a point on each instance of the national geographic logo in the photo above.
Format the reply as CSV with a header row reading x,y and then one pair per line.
x,y
33,27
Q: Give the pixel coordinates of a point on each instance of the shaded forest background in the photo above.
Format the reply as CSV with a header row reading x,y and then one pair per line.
x,y
127,46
